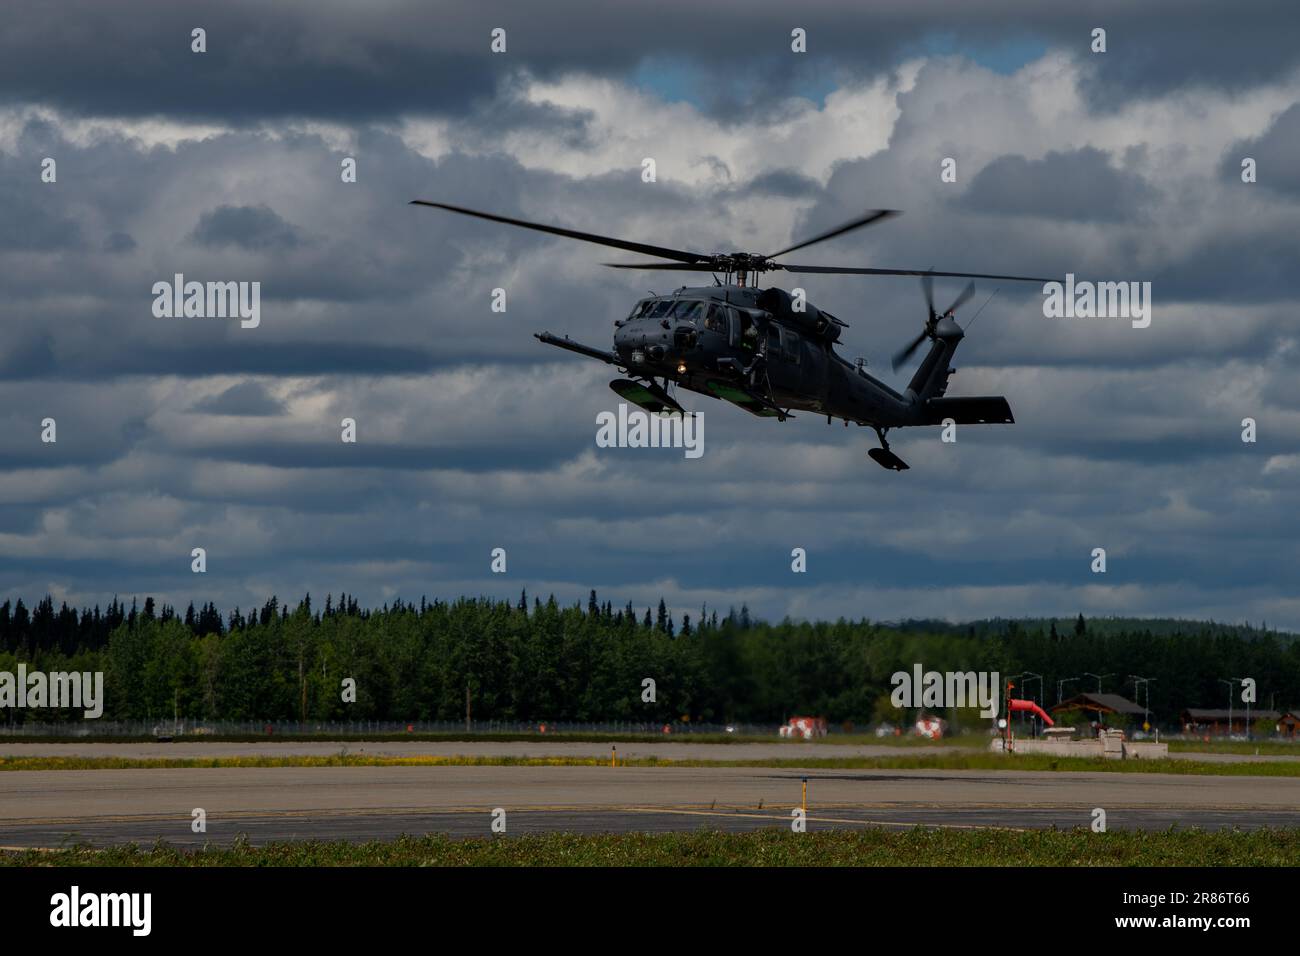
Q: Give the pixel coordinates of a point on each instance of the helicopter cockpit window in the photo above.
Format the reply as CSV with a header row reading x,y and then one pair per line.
x,y
688,310
716,319
659,308
640,308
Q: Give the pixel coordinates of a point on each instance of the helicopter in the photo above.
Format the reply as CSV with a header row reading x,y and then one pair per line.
x,y
768,351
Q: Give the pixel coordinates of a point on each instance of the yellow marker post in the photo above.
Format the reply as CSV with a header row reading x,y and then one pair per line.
x,y
805,796
613,756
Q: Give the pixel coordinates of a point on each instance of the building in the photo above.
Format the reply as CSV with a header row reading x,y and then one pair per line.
x,y
1213,722
1101,706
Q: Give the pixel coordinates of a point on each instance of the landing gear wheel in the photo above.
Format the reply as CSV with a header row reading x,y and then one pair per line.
x,y
884,457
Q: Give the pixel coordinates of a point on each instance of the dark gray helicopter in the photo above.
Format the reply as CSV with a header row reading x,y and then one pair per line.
x,y
767,351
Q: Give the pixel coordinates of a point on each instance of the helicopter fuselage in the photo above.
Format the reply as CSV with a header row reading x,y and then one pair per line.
x,y
764,341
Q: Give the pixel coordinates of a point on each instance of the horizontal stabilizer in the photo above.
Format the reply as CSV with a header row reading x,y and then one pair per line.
x,y
992,410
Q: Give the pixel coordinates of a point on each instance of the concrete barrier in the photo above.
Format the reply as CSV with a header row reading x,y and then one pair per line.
x,y
1111,746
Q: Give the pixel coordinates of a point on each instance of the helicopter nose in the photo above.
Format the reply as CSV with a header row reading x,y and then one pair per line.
x,y
654,338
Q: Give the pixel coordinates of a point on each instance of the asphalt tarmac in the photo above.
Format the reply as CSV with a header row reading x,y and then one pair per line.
x,y
53,808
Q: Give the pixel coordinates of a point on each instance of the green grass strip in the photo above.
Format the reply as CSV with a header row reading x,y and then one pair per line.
x,y
770,847
941,761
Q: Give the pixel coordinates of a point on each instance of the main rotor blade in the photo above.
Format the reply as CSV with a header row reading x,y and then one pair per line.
x,y
660,251
833,270
966,293
876,215
675,266
927,286
906,353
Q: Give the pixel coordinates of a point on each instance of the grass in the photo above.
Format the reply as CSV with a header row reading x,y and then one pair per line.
x,y
932,761
771,847
974,741
1265,748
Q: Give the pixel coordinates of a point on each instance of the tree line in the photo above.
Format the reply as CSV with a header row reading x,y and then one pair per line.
x,y
544,661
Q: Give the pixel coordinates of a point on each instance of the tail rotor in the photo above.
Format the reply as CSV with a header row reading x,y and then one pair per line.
x,y
933,318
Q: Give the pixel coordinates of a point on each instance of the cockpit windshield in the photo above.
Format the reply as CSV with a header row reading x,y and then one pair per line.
x,y
659,308
688,310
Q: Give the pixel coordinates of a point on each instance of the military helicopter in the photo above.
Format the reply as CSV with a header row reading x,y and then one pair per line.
x,y
770,352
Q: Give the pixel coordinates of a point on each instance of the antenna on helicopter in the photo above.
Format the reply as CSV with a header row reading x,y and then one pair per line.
x,y
981,309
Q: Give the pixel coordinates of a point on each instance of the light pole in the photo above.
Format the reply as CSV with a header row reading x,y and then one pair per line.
x,y
1039,677
1146,713
1099,678
1241,681
1232,685
1060,685
1011,684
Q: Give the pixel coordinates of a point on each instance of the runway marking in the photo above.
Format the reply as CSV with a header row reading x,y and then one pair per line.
x,y
688,810
819,819
732,814
724,810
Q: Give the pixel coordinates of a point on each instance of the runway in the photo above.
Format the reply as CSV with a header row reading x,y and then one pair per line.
x,y
52,808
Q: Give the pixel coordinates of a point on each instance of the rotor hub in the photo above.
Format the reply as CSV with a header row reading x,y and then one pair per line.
x,y
741,262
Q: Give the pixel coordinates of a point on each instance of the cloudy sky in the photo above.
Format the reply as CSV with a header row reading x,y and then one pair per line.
x,y
225,165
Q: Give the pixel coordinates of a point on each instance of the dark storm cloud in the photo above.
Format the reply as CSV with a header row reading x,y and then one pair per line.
x,y
1252,265
90,427
1276,154
510,113
786,183
32,220
201,355
256,228
1080,185
117,242
28,354
337,60
362,249
246,398
295,58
